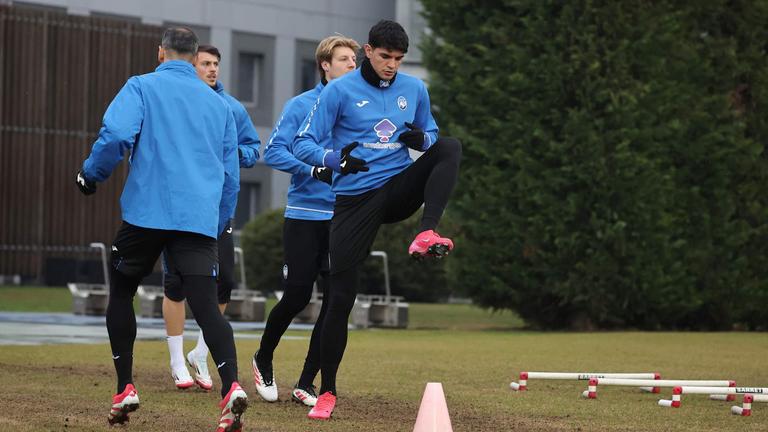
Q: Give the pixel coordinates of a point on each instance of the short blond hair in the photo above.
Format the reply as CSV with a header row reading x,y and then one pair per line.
x,y
324,51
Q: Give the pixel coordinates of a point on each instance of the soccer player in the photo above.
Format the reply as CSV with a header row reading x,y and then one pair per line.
x,y
179,195
248,143
374,114
305,230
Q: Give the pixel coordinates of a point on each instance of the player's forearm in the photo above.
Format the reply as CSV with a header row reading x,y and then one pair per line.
x,y
279,158
307,150
106,153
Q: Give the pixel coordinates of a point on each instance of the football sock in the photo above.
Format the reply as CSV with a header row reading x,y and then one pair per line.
x,y
201,349
200,292
176,350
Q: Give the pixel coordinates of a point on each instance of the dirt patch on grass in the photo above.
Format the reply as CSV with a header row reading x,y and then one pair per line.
x,y
83,406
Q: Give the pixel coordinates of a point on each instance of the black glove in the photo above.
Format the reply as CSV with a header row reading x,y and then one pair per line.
x,y
413,138
323,174
343,161
86,186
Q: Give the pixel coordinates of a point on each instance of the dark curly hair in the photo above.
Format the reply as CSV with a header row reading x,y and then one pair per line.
x,y
389,35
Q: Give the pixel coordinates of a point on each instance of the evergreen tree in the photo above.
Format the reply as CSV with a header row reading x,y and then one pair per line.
x,y
613,158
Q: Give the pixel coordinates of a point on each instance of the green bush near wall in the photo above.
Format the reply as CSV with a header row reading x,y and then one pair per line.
x,y
262,243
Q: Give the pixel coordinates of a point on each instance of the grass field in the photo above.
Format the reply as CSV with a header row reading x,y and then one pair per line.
x,y
66,387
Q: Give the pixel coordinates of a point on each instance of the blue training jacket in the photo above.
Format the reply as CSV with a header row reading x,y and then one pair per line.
x,y
351,109
184,172
308,198
248,141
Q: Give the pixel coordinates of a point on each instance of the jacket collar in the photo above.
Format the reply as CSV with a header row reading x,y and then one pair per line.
x,y
180,65
371,77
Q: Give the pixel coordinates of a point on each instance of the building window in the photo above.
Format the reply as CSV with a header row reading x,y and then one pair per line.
x,y
253,75
306,75
249,77
309,75
248,204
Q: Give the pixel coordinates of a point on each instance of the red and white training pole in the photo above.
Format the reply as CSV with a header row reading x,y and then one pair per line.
x,y
592,389
675,402
592,394
755,391
522,384
746,406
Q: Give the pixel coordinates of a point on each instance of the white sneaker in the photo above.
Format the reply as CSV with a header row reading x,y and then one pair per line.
x,y
200,366
265,382
182,379
307,397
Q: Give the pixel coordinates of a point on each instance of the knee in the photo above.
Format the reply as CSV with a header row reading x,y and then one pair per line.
x,y
224,289
340,300
172,287
450,147
200,292
296,297
122,286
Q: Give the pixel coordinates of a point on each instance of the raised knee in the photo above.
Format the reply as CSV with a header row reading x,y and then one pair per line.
x,y
450,146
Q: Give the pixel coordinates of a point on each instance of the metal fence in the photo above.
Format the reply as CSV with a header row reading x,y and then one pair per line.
x,y
58,74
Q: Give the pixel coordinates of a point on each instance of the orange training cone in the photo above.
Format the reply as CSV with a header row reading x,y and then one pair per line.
x,y
433,412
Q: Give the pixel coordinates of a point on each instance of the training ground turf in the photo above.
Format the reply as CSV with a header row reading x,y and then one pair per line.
x,y
68,387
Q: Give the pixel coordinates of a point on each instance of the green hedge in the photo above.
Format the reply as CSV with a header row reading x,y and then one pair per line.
x,y
262,243
614,168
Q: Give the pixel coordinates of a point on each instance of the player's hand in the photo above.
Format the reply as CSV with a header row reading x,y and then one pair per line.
x,y
413,138
323,174
343,162
86,186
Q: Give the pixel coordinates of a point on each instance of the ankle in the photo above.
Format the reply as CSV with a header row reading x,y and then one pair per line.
x,y
262,360
198,353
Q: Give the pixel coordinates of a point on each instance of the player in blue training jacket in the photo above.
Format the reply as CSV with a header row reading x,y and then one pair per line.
x,y
305,231
374,115
180,192
248,143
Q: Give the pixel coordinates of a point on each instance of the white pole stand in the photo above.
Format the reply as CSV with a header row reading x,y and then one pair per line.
x,y
649,385
752,391
722,397
522,384
745,409
675,402
732,397
591,392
